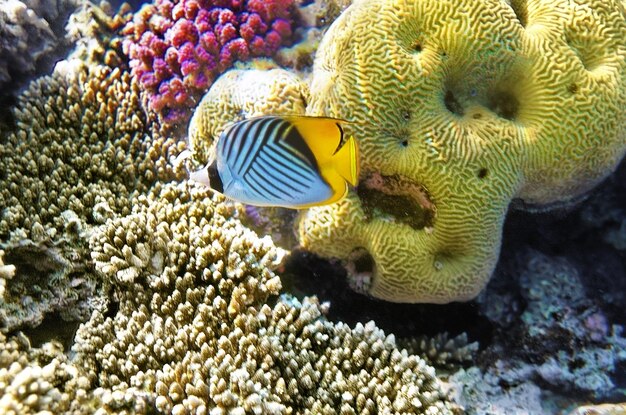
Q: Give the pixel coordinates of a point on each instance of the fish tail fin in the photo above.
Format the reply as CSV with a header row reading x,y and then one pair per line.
x,y
346,161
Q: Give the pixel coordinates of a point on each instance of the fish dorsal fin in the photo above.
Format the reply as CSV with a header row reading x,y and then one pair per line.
x,y
321,134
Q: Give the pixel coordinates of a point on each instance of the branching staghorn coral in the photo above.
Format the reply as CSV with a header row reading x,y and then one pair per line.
x,y
459,107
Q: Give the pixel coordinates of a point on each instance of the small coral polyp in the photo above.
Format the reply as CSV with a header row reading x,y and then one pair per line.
x,y
471,103
178,47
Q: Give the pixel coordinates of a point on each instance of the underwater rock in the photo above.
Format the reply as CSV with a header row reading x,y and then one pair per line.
x,y
32,39
483,394
44,282
560,337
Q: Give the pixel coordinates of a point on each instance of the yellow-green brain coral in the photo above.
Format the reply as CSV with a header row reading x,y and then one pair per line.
x,y
459,106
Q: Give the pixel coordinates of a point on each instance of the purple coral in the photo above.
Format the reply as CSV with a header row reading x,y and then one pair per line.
x,y
178,47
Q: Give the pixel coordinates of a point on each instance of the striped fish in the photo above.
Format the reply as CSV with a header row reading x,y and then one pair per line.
x,y
288,161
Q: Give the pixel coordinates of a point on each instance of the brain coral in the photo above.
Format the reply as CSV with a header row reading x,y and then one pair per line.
x,y
459,107
177,48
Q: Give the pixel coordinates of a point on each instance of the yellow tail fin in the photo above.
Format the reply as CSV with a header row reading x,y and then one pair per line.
x,y
346,161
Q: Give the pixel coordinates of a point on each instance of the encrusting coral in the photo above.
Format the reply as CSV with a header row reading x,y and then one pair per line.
x,y
460,107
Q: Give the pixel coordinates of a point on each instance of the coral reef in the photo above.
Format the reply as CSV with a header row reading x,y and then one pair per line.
x,y
186,320
560,338
183,323
177,48
441,350
459,107
53,189
182,311
31,39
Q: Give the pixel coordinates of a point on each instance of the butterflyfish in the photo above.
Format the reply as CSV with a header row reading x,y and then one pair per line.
x,y
289,161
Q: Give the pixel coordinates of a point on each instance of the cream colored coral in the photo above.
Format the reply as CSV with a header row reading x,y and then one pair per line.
x,y
80,148
192,326
33,381
605,409
81,139
459,107
244,93
6,273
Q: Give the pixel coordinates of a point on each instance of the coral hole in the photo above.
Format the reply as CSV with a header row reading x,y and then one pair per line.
x,y
362,261
586,49
520,8
504,104
452,103
396,199
361,269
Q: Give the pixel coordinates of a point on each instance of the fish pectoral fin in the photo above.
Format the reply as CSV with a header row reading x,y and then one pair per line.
x,y
346,161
